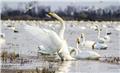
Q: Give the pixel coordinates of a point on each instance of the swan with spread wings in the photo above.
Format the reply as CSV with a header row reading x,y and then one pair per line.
x,y
51,42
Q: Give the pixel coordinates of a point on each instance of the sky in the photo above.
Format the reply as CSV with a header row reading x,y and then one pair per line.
x,y
55,4
63,0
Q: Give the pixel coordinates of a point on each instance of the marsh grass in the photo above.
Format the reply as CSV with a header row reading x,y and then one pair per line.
x,y
6,56
112,60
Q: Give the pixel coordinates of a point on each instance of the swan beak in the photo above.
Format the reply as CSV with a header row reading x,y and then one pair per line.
x,y
78,40
50,14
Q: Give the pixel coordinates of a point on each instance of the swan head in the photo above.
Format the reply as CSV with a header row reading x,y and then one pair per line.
x,y
97,28
2,35
82,35
13,28
78,40
54,15
2,39
73,51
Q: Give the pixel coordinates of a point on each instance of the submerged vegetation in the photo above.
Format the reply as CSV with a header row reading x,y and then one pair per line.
x,y
7,56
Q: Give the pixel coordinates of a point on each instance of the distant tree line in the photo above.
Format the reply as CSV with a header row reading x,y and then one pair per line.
x,y
69,13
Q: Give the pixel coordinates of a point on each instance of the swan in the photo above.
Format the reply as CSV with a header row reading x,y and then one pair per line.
x,y
83,54
2,39
104,39
14,29
90,44
117,28
82,27
50,42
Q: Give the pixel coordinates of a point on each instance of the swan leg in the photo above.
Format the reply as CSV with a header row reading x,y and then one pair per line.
x,y
60,55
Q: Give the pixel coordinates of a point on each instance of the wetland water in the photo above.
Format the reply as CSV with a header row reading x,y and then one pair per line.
x,y
26,45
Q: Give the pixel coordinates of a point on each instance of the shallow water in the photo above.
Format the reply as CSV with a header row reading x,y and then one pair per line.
x,y
19,42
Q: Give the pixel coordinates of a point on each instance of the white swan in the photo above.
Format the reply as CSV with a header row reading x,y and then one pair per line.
x,y
50,41
90,44
2,40
83,54
82,27
104,39
117,28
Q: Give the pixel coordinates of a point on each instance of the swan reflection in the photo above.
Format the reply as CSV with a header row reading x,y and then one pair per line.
x,y
64,67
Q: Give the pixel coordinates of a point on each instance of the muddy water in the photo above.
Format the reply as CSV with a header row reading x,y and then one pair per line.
x,y
18,42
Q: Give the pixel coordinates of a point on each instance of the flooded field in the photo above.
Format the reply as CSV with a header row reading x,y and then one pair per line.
x,y
30,61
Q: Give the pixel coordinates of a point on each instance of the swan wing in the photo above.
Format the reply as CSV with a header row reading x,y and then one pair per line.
x,y
48,38
88,44
100,46
88,55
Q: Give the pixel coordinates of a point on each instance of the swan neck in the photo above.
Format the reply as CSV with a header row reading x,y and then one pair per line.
x,y
77,45
98,33
77,50
62,29
83,39
106,31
